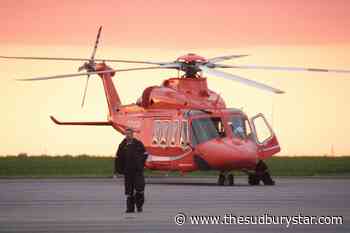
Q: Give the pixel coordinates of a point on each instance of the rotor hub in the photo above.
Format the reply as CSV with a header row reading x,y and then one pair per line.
x,y
88,66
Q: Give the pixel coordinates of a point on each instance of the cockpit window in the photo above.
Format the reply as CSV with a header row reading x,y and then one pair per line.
x,y
219,126
240,127
204,129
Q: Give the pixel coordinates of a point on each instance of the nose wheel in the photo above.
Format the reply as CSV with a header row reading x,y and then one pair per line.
x,y
225,179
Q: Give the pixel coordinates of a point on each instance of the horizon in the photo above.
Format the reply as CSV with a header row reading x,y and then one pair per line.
x,y
311,118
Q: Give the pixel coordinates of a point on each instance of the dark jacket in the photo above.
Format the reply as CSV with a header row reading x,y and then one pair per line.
x,y
131,157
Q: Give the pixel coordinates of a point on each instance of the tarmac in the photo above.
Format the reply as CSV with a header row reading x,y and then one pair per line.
x,y
98,205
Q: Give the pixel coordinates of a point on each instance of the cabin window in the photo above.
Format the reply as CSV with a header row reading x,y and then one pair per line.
x,y
173,132
219,126
204,129
184,134
164,133
156,132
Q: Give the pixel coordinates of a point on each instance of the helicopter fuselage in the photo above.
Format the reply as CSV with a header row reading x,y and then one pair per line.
x,y
185,127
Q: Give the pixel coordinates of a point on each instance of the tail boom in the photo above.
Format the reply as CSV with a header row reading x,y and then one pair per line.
x,y
112,96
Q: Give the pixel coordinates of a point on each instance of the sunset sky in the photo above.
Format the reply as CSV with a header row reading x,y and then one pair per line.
x,y
312,116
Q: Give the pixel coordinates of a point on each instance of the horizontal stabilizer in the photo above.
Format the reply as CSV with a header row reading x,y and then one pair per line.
x,y
81,123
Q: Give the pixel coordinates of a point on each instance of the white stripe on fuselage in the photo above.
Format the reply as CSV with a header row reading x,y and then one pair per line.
x,y
157,158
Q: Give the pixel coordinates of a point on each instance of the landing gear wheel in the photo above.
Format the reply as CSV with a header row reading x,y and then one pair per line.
x,y
230,180
267,180
221,180
253,179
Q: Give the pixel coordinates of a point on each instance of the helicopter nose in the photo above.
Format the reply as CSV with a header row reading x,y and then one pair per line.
x,y
224,154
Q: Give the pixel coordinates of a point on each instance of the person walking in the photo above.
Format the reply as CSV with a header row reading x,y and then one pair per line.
x,y
132,156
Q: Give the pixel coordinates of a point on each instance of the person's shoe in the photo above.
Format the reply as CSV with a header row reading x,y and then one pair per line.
x,y
139,200
130,204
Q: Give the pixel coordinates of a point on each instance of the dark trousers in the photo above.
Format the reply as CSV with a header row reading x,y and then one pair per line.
x,y
134,182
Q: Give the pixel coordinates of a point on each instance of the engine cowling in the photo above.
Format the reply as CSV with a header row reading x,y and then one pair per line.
x,y
181,93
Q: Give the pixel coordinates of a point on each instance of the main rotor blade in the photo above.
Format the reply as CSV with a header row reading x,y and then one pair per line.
x,y
223,58
132,61
85,91
46,58
237,78
96,44
83,59
65,75
281,68
91,73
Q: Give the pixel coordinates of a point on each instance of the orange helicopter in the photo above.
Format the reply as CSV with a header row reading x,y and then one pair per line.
x,y
183,124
